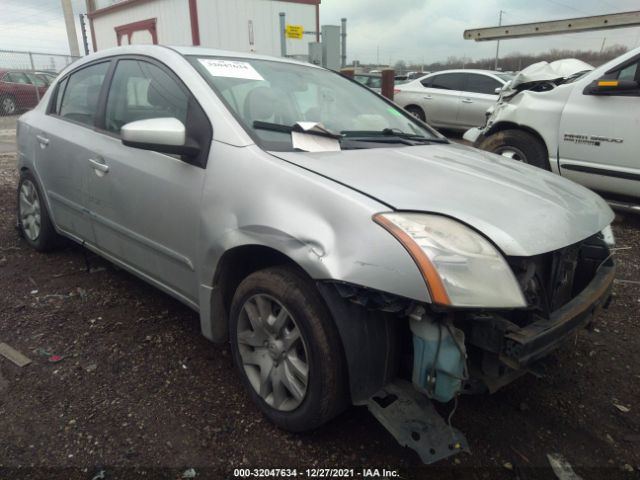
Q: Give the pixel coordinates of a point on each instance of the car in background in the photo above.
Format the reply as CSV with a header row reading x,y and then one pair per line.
x,y
20,90
47,75
571,119
452,99
369,80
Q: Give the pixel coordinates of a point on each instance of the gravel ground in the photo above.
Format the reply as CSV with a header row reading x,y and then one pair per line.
x,y
139,393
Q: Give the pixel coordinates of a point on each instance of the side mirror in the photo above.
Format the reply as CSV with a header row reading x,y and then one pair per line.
x,y
610,87
165,135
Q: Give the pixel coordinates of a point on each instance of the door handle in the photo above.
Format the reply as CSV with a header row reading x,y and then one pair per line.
x,y
98,165
44,141
467,100
427,97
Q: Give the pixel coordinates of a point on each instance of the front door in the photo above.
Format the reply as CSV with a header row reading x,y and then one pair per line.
x,y
146,205
598,138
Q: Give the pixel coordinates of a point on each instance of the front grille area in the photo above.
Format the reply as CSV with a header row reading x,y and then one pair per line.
x,y
551,280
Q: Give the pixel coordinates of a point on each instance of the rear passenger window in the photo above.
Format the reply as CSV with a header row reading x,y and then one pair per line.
x,y
141,90
482,84
448,81
80,98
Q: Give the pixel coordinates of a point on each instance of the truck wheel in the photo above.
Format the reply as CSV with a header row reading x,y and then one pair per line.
x,y
287,349
34,223
8,105
416,112
517,145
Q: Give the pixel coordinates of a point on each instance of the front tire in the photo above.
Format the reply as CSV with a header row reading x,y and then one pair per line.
x,y
34,222
287,348
518,145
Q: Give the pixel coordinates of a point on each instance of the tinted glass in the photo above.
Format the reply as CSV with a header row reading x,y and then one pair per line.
x,y
36,80
59,94
448,81
140,91
629,72
375,82
80,99
17,77
482,84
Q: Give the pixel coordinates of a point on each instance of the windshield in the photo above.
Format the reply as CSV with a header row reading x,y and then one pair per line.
x,y
279,93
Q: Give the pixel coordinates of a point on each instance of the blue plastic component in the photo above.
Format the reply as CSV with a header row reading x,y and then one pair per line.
x,y
449,364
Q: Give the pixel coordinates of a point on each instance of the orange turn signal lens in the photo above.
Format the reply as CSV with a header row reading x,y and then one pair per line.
x,y
608,83
429,273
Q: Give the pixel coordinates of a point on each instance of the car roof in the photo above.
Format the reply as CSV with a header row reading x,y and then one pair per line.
x,y
161,51
467,70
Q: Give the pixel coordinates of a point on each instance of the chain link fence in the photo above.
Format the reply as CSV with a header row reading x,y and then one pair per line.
x,y
25,77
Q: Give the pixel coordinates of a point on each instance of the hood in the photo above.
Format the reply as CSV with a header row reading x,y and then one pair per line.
x,y
547,72
524,210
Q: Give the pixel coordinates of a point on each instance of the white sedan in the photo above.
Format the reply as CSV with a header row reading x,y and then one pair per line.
x,y
453,99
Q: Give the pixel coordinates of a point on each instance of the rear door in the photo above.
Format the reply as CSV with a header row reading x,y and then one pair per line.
x,y
66,139
441,98
478,96
598,137
146,205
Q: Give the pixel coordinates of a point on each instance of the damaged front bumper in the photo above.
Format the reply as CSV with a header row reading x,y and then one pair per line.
x,y
398,371
526,345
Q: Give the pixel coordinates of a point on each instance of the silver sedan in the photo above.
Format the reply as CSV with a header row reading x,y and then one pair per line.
x,y
321,230
452,99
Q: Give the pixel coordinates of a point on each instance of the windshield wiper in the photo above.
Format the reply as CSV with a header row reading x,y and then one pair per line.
x,y
387,135
278,127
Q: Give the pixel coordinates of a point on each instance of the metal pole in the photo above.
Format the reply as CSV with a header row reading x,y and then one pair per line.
x,y
344,42
495,66
72,36
388,79
283,36
83,29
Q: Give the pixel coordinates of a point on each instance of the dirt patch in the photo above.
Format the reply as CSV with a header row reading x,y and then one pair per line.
x,y
139,392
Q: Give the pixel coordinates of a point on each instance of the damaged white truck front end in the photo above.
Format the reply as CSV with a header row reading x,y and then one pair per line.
x,y
575,121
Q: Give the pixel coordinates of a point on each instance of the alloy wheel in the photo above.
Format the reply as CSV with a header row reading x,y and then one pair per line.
x,y
8,106
30,213
274,354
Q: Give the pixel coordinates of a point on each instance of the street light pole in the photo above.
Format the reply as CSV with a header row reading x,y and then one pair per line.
x,y
495,65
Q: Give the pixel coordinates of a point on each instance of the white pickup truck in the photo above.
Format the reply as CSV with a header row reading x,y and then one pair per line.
x,y
584,126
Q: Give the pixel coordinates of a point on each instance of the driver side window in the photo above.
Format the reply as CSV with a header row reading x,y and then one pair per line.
x,y
140,91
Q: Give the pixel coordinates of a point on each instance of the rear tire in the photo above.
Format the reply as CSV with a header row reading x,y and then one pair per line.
x,y
416,112
34,222
518,145
269,308
8,105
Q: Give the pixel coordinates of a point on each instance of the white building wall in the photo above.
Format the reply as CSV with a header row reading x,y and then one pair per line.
x,y
173,24
225,24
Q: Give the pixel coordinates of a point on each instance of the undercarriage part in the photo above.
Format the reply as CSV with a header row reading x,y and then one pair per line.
x,y
413,421
439,358
370,341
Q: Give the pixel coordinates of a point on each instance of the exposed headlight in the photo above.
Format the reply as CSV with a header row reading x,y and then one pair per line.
x,y
607,236
460,267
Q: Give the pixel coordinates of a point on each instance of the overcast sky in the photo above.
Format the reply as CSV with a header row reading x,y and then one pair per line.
x,y
412,30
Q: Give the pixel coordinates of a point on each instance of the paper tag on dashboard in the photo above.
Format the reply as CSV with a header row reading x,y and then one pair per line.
x,y
314,143
230,68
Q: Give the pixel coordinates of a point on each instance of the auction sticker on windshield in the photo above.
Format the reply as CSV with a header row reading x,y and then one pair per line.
x,y
230,68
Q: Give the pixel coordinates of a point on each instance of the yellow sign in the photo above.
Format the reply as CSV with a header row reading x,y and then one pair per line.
x,y
295,31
